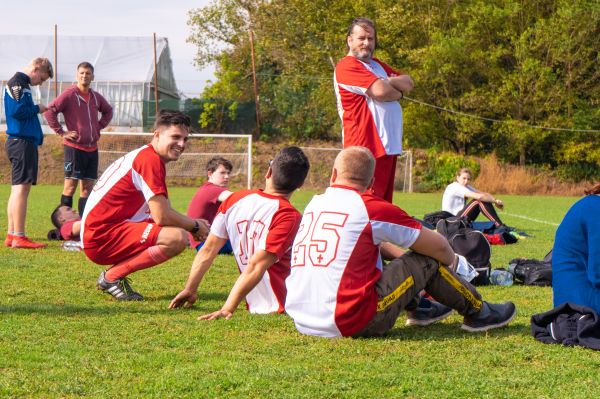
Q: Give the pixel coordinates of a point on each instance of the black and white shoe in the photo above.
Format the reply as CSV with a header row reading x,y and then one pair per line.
x,y
424,316
120,289
496,315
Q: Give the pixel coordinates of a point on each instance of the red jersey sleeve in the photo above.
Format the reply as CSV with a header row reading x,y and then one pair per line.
x,y
149,173
389,223
351,73
388,69
282,231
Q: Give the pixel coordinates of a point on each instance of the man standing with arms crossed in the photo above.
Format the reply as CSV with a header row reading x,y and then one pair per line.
x,y
129,222
80,106
24,136
367,92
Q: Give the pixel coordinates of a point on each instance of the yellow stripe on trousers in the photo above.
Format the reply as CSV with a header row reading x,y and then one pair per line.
x,y
394,295
468,295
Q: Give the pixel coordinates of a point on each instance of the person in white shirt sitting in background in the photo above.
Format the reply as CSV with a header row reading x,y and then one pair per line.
x,y
455,200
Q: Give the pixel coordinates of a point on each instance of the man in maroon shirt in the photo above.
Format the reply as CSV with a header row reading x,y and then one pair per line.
x,y
80,106
209,196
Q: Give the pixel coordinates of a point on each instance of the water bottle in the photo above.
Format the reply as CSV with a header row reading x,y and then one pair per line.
x,y
72,246
501,277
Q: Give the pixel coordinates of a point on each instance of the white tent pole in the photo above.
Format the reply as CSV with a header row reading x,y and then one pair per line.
x,y
155,80
55,61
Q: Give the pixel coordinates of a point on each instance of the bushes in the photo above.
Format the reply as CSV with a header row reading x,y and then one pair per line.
x,y
441,169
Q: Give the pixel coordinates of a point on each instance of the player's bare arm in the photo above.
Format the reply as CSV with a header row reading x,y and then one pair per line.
x,y
164,215
224,195
202,262
404,83
257,266
434,245
382,90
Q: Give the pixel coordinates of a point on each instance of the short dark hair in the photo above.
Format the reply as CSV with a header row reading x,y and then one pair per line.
x,y
171,117
363,23
214,163
54,216
289,169
86,65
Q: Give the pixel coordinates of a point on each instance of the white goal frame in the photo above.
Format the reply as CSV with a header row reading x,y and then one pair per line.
x,y
248,137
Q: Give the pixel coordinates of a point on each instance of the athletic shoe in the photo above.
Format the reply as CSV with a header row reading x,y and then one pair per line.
x,y
120,289
498,315
8,240
26,243
424,316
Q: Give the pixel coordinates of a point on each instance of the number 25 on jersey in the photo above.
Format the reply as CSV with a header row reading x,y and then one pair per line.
x,y
318,239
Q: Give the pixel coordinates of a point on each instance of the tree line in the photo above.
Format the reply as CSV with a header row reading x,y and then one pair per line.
x,y
525,63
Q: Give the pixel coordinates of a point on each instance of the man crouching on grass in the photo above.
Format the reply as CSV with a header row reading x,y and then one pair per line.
x,y
128,220
261,226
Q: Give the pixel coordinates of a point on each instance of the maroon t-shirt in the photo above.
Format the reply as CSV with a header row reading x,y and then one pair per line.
x,y
205,204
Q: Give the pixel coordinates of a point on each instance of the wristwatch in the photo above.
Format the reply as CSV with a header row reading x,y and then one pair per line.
x,y
196,227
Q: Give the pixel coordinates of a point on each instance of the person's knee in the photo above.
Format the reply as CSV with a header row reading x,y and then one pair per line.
x,y
175,239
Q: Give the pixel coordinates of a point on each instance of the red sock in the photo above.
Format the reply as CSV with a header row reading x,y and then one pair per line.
x,y
148,258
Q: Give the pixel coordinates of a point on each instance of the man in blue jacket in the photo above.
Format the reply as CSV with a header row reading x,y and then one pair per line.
x,y
24,136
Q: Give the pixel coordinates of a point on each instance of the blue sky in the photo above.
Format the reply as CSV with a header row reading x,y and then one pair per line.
x,y
115,18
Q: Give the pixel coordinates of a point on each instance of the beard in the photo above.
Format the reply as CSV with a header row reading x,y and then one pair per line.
x,y
363,54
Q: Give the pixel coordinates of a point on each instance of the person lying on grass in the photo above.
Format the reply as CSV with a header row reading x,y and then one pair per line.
x,y
67,222
261,225
339,285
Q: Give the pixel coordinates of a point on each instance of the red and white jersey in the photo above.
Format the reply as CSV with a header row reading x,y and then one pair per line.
x,y
336,261
366,122
253,220
122,193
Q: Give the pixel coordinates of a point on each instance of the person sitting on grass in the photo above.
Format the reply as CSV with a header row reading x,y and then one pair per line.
x,y
261,226
128,220
339,285
208,198
576,254
456,194
67,222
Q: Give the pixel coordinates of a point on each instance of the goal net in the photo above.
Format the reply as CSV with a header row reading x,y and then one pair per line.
x,y
190,169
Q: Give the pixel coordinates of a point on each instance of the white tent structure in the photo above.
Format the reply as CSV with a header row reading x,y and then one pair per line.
x,y
124,71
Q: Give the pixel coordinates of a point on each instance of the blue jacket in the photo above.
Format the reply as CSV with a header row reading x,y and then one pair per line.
x,y
21,113
576,255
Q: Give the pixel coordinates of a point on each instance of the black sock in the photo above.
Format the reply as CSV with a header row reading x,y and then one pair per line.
x,y
81,205
66,200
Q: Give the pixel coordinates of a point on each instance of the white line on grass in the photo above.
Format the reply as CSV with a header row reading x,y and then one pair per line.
x,y
531,219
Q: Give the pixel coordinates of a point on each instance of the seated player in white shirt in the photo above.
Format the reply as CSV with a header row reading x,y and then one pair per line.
x,y
261,226
339,285
455,197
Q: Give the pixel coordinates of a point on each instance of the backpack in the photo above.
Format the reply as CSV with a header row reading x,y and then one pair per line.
x,y
469,243
434,217
532,271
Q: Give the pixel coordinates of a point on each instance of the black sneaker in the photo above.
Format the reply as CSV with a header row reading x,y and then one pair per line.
x,y
424,316
499,315
120,289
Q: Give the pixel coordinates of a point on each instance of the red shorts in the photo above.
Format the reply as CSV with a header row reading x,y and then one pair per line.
x,y
385,172
120,241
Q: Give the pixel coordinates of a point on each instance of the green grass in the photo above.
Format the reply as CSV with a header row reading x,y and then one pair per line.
x,y
60,337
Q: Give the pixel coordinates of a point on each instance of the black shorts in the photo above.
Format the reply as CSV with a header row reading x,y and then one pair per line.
x,y
80,165
23,157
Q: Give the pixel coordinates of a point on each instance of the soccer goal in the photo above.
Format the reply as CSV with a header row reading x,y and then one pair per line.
x,y
190,168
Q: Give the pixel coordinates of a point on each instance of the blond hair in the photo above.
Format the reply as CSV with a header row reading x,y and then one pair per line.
x,y
356,164
44,65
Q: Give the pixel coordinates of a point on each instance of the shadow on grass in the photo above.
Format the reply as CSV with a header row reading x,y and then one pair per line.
x,y
75,311
447,330
204,296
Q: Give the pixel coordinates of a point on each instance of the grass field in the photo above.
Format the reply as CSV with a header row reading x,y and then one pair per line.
x,y
60,337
